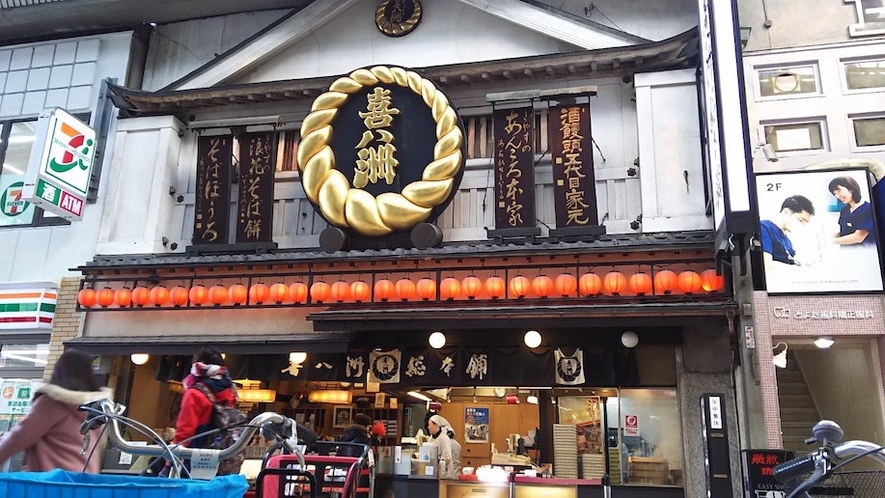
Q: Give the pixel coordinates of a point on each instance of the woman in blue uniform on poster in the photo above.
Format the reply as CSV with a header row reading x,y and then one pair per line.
x,y
856,225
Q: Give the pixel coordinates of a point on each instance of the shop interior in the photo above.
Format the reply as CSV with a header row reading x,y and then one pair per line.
x,y
496,425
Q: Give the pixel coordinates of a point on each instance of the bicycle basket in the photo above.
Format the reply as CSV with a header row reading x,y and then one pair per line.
x,y
64,484
855,484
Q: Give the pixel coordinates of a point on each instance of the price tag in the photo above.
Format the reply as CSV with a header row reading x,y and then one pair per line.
x,y
204,464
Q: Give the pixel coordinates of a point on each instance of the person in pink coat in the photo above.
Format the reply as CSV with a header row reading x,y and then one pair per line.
x,y
50,432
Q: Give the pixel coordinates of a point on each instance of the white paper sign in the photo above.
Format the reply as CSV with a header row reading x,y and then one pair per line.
x,y
204,464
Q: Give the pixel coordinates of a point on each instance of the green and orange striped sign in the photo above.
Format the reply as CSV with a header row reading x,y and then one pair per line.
x,y
27,308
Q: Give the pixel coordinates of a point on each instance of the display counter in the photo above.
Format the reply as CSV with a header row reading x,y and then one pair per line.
x,y
401,486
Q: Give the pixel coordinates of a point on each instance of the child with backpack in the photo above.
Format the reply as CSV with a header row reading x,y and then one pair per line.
x,y
209,399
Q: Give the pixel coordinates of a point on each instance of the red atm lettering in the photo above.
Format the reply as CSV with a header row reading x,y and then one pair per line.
x,y
71,204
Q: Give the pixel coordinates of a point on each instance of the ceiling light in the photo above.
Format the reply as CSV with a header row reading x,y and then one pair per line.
x,y
532,399
139,358
437,340
417,395
532,339
297,357
824,342
629,339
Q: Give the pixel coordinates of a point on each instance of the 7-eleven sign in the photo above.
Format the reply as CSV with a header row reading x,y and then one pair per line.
x,y
60,168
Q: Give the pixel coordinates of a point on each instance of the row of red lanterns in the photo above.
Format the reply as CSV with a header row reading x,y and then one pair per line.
x,y
613,283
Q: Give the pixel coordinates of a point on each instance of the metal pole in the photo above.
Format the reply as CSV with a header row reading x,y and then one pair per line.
x,y
606,487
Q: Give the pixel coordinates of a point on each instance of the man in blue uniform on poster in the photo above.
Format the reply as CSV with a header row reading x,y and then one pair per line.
x,y
795,211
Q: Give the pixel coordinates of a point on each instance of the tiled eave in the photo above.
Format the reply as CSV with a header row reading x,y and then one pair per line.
x,y
674,53
701,241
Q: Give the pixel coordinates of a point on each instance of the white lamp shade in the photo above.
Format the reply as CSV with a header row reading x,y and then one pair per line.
x,y
297,357
532,339
629,339
824,342
437,340
139,358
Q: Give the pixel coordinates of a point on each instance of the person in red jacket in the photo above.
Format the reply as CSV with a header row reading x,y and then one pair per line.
x,y
195,415
50,433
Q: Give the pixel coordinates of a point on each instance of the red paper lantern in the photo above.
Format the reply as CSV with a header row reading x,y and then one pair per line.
x,y
614,283
665,281
495,287
566,284
640,283
519,286
542,286
360,291
319,292
298,292
141,296
590,284
449,288
340,291
426,289
178,296
711,282
689,282
218,294
87,297
258,293
123,297
105,297
383,290
198,295
279,293
238,294
405,289
159,295
471,286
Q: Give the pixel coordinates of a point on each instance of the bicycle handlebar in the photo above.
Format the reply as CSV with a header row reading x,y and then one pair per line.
x,y
272,426
830,456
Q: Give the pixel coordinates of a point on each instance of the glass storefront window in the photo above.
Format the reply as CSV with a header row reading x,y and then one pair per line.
x,y
18,143
642,440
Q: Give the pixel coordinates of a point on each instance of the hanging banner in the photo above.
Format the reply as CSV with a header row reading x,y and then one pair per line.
x,y
212,201
514,168
569,368
571,152
385,366
431,367
255,199
519,365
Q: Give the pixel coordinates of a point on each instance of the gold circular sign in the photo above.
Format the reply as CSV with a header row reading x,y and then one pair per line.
x,y
397,18
355,208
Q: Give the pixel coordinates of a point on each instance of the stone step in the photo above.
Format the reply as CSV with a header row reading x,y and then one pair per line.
x,y
790,377
796,401
806,416
792,389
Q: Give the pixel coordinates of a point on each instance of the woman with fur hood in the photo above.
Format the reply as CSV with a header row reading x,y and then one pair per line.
x,y
50,433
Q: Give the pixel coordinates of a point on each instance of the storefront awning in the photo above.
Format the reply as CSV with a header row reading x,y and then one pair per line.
x,y
325,342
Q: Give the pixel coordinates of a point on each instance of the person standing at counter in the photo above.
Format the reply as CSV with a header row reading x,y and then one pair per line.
x,y
50,433
443,437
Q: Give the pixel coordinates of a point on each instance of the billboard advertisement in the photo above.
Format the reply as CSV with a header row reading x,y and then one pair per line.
x,y
817,231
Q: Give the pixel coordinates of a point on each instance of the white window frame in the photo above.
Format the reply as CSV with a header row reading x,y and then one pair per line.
x,y
844,76
863,28
853,138
824,131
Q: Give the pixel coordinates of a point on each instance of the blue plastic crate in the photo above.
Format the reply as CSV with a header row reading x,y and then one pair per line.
x,y
64,484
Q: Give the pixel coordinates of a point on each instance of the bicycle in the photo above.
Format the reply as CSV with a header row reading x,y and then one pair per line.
x,y
204,462
803,475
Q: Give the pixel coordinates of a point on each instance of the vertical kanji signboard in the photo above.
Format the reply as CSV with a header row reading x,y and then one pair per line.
x,y
60,167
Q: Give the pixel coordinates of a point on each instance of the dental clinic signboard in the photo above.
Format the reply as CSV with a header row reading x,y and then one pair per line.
x,y
60,167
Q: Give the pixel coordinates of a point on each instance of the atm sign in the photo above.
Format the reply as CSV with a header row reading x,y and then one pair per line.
x,y
58,197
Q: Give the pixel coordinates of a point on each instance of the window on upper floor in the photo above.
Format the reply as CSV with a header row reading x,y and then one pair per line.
x,y
869,131
16,141
795,136
864,74
787,81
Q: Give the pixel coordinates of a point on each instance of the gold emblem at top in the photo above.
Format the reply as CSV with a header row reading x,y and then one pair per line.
x,y
397,17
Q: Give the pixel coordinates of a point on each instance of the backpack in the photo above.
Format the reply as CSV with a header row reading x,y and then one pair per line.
x,y
230,423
